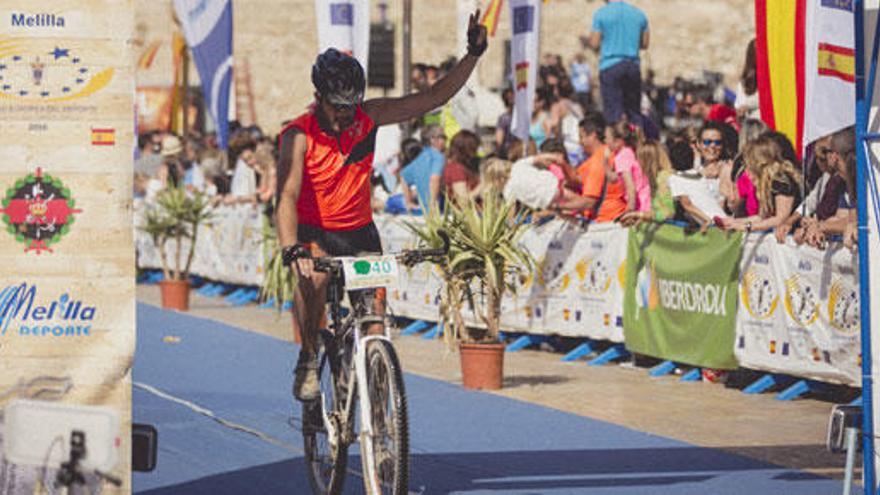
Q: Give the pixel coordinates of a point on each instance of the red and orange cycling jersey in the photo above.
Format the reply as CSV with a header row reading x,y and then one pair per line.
x,y
335,192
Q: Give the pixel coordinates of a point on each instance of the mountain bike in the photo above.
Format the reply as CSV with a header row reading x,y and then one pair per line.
x,y
362,392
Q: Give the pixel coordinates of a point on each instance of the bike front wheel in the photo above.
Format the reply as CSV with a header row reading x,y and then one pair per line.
x,y
385,453
326,453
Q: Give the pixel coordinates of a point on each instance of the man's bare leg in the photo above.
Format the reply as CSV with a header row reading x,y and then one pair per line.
x,y
309,298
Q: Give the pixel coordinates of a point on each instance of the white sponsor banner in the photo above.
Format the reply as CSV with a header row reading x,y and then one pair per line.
x,y
344,25
228,249
829,64
799,311
524,53
577,290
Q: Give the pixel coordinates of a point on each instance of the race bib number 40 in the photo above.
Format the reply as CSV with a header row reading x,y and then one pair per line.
x,y
370,272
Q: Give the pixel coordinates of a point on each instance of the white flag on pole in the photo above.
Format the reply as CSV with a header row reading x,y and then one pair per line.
x,y
344,25
829,65
525,26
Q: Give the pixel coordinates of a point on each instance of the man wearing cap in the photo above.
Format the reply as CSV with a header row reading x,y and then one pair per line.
x,y
325,167
425,172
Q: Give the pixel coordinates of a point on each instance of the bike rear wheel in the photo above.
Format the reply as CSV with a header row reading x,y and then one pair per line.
x,y
326,454
385,454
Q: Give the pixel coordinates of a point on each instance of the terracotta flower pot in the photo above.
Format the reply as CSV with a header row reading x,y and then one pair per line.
x,y
175,294
482,365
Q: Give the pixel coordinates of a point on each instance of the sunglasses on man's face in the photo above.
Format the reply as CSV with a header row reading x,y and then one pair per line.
x,y
342,107
712,142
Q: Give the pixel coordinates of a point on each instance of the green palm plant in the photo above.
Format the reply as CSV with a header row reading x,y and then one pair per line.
x,y
428,232
489,255
484,252
278,278
176,217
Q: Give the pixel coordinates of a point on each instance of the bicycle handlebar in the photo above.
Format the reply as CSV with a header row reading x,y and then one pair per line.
x,y
408,257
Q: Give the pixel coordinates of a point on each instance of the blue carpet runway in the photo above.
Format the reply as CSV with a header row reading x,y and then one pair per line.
x,y
221,401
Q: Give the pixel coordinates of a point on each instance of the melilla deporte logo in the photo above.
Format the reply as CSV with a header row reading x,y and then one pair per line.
x,y
62,317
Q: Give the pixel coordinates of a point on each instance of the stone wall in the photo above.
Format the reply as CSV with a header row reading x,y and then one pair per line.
x,y
277,39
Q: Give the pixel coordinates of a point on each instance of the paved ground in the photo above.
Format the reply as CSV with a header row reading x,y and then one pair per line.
x,y
789,434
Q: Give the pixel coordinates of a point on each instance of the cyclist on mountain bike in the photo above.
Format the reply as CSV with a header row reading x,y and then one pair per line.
x,y
324,171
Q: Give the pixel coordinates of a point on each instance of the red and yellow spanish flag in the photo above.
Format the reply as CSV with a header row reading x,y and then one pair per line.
x,y
103,136
491,15
837,61
780,26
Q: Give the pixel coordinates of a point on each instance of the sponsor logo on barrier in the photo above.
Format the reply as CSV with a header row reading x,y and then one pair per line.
x,y
679,295
64,317
38,211
551,276
593,276
39,73
693,297
647,291
843,308
800,302
759,295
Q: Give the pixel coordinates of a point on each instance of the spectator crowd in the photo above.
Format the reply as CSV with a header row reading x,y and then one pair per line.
x,y
637,153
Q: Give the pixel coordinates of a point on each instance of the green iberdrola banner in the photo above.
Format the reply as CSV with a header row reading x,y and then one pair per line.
x,y
681,295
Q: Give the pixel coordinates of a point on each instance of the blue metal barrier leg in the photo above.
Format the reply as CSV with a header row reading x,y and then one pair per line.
x,y
664,368
415,327
761,385
219,289
799,388
580,351
235,295
206,289
612,353
246,297
524,342
433,333
693,375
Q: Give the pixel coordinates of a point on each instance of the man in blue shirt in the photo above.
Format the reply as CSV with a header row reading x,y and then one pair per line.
x,y
619,31
426,170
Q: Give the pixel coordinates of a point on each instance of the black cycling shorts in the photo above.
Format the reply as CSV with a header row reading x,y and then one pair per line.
x,y
357,242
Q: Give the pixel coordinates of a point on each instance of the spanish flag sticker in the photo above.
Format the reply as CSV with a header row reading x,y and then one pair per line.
x,y
837,61
103,137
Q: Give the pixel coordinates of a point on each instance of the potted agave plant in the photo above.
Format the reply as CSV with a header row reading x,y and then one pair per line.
x,y
484,260
173,225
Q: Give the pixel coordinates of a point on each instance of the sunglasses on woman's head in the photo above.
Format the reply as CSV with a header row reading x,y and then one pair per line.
x,y
712,142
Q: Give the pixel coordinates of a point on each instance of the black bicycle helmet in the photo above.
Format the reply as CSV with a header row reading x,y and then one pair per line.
x,y
339,78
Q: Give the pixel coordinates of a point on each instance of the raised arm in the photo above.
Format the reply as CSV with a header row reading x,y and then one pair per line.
x,y
385,111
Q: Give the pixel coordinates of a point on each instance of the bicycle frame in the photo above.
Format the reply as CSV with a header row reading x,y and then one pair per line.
x,y
339,423
356,380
